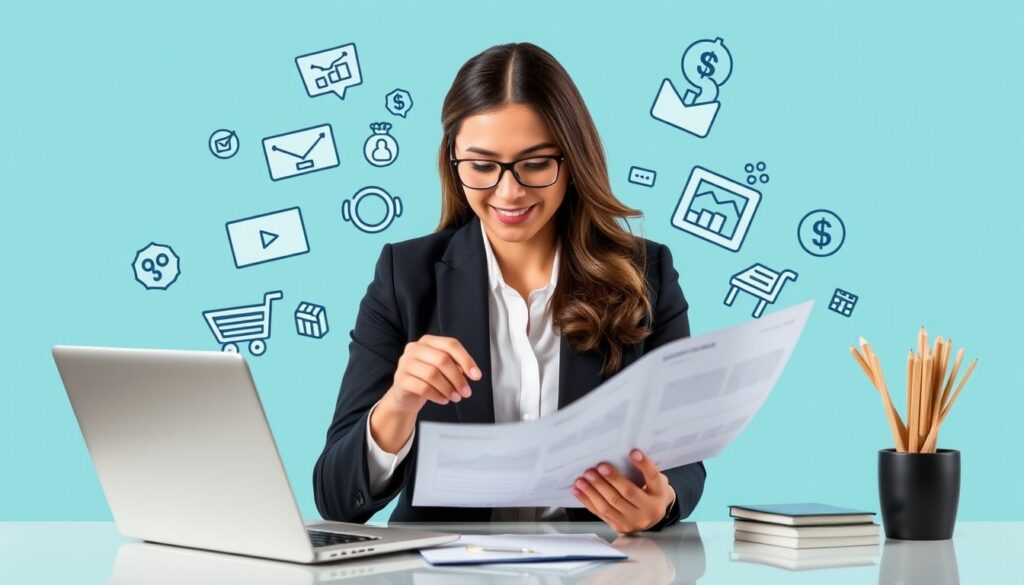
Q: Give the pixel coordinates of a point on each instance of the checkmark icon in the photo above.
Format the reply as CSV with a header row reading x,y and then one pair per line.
x,y
224,144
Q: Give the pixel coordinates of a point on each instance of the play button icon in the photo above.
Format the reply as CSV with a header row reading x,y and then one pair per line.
x,y
267,238
270,236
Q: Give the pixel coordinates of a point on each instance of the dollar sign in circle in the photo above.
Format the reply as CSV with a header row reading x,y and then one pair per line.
x,y
821,233
822,237
707,65
708,59
398,102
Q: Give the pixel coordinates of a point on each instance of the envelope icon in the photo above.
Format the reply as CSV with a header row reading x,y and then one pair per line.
x,y
670,109
300,152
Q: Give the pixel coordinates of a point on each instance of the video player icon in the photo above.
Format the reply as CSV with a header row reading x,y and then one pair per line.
x,y
270,236
267,238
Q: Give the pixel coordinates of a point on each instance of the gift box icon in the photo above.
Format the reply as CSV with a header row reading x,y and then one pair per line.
x,y
311,320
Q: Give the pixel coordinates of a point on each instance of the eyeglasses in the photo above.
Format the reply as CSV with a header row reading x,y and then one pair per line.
x,y
533,172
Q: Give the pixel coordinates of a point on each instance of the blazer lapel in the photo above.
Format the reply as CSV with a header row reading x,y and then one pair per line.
x,y
463,313
578,373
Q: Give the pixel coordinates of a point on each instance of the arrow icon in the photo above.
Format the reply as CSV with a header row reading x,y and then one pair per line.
x,y
267,238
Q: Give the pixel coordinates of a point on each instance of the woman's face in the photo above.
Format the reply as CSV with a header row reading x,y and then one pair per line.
x,y
510,211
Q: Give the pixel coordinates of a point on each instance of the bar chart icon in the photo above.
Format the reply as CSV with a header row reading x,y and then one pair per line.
x,y
716,209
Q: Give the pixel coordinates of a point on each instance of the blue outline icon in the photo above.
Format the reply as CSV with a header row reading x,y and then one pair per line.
x,y
243,323
295,153
843,302
716,209
224,143
156,266
395,102
761,282
706,71
380,148
350,209
756,172
311,320
267,237
642,176
823,235
330,71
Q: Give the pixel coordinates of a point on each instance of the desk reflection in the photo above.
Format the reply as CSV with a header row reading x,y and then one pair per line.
x,y
919,562
675,555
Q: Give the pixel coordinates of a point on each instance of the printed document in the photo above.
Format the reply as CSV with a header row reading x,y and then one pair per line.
x,y
682,403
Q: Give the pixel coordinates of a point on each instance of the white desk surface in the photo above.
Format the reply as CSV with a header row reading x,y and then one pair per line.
x,y
692,552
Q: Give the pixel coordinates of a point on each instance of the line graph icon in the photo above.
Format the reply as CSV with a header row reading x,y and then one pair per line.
x,y
716,209
330,71
300,152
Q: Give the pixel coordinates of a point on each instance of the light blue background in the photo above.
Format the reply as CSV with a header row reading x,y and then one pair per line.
x,y
904,118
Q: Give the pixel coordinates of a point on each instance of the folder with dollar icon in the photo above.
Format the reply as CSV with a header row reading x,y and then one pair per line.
x,y
300,152
669,108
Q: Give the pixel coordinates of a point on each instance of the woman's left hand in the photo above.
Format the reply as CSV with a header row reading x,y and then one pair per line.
x,y
626,507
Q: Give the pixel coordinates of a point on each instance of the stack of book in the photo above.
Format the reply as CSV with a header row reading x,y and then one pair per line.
x,y
803,536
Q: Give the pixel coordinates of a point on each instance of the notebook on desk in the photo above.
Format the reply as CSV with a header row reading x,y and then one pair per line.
x,y
804,514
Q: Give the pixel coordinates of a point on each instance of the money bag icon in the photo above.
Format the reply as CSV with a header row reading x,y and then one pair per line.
x,y
381,148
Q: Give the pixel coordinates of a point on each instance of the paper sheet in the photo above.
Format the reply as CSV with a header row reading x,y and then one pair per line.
x,y
578,547
682,403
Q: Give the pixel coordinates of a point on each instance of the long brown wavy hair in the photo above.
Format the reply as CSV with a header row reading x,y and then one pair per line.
x,y
601,297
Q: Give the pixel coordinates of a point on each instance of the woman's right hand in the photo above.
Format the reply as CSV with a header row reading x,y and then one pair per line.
x,y
434,368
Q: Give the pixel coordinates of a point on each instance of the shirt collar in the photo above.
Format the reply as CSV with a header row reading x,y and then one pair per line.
x,y
494,278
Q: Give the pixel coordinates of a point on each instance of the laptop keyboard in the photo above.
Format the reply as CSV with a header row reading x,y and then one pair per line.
x,y
321,538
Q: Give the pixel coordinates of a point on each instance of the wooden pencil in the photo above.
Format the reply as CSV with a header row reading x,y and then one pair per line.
x,y
873,371
930,389
898,430
932,439
924,413
914,416
910,386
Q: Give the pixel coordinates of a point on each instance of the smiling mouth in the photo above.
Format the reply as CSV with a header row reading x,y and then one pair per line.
x,y
516,212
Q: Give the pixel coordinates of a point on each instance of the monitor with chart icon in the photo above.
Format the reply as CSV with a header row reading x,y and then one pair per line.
x,y
716,209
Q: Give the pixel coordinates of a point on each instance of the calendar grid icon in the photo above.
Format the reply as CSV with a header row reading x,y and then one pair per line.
x,y
843,302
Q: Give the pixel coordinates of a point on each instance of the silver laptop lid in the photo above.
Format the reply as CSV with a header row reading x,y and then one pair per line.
x,y
183,450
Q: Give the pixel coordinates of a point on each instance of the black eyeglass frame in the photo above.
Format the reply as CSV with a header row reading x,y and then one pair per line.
x,y
507,166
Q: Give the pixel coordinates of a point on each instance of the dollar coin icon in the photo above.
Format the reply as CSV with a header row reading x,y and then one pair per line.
x,y
707,65
821,233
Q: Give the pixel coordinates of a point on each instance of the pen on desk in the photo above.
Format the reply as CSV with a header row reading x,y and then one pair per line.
x,y
480,549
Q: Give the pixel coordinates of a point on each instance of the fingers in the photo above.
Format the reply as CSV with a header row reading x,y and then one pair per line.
x,y
453,348
408,380
588,495
615,499
437,382
435,369
456,387
617,490
653,478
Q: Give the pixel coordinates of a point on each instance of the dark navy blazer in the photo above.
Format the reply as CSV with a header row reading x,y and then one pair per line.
x,y
438,285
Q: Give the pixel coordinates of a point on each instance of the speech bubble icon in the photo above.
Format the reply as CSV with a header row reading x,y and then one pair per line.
x,y
398,102
330,71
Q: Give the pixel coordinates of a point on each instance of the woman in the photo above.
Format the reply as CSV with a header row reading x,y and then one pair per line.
x,y
529,295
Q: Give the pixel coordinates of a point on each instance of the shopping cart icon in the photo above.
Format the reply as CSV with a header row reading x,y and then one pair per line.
x,y
761,282
246,323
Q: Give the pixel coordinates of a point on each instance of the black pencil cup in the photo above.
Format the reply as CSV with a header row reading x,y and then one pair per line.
x,y
919,493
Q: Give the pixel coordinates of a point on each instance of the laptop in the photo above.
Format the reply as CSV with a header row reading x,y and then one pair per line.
x,y
185,456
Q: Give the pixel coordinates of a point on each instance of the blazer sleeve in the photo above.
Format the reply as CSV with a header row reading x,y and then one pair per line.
x,y
670,323
341,478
